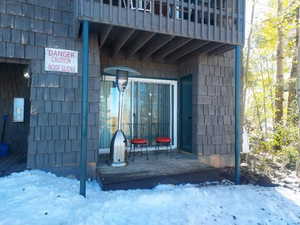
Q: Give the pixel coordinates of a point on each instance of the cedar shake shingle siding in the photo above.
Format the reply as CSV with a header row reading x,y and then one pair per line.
x,y
26,29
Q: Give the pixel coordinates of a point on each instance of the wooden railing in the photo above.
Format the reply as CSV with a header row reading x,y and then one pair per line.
x,y
216,20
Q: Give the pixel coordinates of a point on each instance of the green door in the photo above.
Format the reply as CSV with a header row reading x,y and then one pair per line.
x,y
186,113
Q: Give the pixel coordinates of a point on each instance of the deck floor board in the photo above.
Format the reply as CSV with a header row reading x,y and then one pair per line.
x,y
175,168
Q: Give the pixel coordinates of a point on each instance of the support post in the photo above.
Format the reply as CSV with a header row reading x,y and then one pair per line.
x,y
84,106
237,147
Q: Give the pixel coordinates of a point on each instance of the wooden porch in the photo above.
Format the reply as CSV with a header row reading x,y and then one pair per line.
x,y
161,168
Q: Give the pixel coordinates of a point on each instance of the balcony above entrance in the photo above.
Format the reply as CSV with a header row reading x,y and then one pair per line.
x,y
207,20
165,30
150,46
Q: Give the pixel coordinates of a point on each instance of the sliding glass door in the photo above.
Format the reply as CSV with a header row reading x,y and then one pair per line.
x,y
149,110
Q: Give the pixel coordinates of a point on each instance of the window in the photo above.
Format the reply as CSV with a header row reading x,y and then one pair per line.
x,y
149,111
141,5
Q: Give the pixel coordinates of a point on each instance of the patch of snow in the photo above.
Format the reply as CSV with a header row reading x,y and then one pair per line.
x,y
40,198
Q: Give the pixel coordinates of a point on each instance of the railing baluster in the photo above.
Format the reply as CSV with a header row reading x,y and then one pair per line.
x,y
238,20
110,10
81,9
160,13
221,20
144,17
243,21
128,6
174,16
227,21
182,15
202,17
152,8
97,10
196,18
215,19
208,22
135,13
92,8
232,27
119,11
168,14
101,9
189,17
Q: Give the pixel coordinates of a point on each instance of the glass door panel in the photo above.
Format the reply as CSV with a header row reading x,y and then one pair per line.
x,y
109,102
147,111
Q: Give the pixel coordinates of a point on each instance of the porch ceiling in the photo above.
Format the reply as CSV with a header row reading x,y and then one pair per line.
x,y
115,40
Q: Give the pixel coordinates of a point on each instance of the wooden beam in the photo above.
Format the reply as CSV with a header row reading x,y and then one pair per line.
x,y
104,34
137,44
123,37
204,49
171,47
209,47
186,49
155,45
221,50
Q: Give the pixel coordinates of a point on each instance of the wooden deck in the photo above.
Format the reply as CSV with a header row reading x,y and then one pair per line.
x,y
176,168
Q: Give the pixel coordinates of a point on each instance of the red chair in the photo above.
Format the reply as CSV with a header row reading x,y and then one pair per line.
x,y
160,141
136,142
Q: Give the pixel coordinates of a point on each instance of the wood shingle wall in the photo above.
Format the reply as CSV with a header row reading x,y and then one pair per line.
x,y
26,28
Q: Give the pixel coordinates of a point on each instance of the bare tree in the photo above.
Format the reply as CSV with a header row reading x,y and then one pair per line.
x,y
247,57
298,57
279,70
292,98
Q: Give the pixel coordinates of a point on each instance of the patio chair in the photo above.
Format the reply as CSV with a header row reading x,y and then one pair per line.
x,y
163,141
136,142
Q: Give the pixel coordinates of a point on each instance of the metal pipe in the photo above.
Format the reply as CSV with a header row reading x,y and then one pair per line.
x,y
122,106
84,106
119,111
237,146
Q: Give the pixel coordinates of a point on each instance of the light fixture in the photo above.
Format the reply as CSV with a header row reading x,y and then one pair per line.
x,y
26,73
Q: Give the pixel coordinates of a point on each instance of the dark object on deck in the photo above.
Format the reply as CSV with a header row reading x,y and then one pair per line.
x,y
3,146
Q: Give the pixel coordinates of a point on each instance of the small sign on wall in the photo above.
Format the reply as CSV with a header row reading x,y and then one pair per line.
x,y
61,60
18,115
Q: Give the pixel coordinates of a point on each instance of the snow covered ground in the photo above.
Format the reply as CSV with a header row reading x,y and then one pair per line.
x,y
38,198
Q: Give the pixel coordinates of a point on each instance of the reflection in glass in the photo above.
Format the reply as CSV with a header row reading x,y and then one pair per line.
x,y
146,113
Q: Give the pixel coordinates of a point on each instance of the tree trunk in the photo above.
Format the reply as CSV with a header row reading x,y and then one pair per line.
x,y
298,59
292,99
279,73
247,59
246,71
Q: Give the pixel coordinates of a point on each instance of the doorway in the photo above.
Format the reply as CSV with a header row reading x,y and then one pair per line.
x,y
149,111
186,113
14,116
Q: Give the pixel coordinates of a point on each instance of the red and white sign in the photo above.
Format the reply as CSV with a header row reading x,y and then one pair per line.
x,y
61,60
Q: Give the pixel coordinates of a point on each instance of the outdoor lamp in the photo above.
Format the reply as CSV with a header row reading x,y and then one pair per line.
x,y
26,73
119,142
122,80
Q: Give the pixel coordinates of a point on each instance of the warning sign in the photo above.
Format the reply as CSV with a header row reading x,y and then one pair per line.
x,y
61,60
